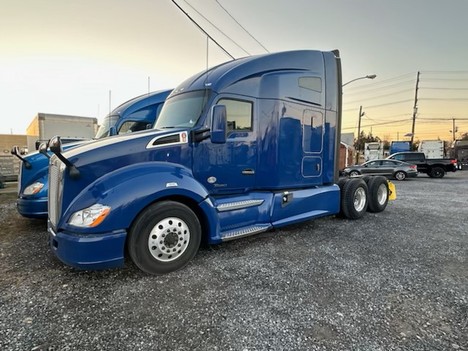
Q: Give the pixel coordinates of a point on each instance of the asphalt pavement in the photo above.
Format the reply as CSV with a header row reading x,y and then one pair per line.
x,y
397,280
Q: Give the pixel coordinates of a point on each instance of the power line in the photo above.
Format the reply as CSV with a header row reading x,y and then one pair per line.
x,y
380,124
240,25
217,28
379,96
380,82
204,31
372,89
447,79
444,99
433,88
445,72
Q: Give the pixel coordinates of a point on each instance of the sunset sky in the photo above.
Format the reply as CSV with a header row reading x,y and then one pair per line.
x,y
63,56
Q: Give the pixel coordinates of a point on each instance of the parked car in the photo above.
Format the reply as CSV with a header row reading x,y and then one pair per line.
x,y
390,168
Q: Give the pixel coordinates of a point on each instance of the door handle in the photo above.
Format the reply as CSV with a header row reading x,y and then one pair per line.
x,y
248,171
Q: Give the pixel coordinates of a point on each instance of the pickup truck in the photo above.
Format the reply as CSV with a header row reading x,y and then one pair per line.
x,y
433,167
238,149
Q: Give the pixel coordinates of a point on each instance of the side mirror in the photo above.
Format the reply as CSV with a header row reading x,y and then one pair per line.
x,y
112,131
15,150
218,124
149,126
43,149
55,145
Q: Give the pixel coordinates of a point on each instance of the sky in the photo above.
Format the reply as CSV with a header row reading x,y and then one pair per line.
x,y
86,57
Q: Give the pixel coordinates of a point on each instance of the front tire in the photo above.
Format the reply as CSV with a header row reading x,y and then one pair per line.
x,y
164,237
354,199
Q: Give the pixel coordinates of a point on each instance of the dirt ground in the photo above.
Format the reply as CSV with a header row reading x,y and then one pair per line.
x,y
397,280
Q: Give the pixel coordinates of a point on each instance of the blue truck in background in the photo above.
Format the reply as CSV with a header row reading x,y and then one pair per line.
x,y
133,115
399,146
239,149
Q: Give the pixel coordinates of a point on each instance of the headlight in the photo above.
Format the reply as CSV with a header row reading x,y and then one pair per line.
x,y
346,170
34,188
90,217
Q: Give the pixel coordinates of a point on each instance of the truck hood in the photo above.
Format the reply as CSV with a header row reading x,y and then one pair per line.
x,y
119,151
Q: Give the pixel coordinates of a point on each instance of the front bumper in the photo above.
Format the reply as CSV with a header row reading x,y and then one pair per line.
x,y
91,252
32,208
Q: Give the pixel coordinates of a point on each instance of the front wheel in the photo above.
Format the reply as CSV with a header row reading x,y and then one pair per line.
x,y
164,237
400,175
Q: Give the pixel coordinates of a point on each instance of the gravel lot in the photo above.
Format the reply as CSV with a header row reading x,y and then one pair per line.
x,y
397,280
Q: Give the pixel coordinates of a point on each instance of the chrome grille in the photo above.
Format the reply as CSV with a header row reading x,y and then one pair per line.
x,y
56,168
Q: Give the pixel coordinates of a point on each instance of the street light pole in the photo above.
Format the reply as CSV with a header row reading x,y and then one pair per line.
x,y
369,76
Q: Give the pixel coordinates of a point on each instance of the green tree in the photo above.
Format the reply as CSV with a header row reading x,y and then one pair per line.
x,y
363,139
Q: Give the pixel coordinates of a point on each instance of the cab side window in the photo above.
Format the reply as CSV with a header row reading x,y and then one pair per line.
x,y
239,114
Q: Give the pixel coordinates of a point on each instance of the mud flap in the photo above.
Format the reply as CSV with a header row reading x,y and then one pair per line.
x,y
391,191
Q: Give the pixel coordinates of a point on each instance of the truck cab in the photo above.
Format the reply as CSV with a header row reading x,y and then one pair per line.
x,y
133,115
238,149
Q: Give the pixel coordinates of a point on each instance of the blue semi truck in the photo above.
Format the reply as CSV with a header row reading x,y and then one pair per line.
x,y
133,115
239,149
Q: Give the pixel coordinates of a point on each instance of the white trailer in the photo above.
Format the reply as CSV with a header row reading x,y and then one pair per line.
x,y
46,125
432,148
373,151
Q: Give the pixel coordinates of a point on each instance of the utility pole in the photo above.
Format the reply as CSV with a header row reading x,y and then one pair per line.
x,y
454,129
359,133
415,108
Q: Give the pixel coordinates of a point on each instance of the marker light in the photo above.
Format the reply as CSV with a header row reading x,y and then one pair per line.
x,y
90,217
34,188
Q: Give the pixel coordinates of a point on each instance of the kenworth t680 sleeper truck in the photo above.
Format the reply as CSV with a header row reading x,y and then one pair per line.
x,y
131,116
239,149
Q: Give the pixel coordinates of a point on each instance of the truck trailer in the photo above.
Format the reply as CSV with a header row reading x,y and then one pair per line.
x,y
134,115
460,152
71,128
432,148
239,149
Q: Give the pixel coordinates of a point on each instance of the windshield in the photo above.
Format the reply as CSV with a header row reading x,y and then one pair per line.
x,y
182,110
108,122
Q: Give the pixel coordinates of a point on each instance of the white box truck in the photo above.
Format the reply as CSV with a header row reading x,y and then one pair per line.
x,y
432,148
46,125
373,151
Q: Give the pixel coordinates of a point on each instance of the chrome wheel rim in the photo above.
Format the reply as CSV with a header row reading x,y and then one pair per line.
x,y
360,199
169,239
400,176
382,194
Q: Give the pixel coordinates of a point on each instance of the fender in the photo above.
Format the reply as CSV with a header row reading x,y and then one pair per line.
x,y
129,190
39,170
